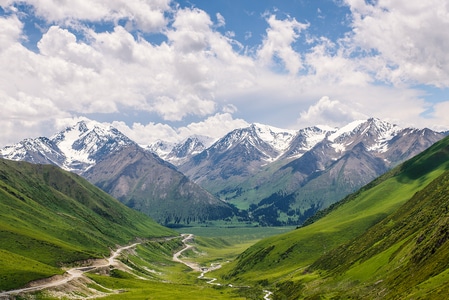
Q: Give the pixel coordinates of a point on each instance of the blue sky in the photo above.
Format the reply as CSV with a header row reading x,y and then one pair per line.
x,y
165,69
246,18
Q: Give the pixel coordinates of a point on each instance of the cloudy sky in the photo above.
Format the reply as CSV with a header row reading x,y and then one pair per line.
x,y
162,69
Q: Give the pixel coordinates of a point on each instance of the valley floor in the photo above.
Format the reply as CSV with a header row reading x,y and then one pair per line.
x,y
155,270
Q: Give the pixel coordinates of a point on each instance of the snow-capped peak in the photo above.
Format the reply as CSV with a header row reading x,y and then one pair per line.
x,y
160,148
373,133
76,148
345,130
26,150
277,138
82,142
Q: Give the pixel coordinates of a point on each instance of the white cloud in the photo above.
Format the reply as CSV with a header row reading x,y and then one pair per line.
x,y
175,110
220,20
410,37
114,69
58,42
230,108
192,28
278,43
439,116
140,14
329,64
214,126
11,31
329,112
146,134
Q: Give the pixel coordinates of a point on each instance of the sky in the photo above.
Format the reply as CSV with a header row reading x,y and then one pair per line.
x,y
162,69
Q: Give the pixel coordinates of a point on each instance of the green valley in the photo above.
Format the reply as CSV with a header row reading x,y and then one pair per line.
x,y
55,227
389,240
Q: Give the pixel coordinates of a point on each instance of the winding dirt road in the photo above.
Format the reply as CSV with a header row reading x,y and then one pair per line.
x,y
189,238
70,274
185,240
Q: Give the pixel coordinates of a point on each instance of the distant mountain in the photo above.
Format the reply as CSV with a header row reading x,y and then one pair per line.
x,y
74,149
178,153
237,156
283,177
50,218
388,240
109,159
148,184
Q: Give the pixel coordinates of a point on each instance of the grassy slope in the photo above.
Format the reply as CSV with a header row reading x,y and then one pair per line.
x,y
401,256
49,217
285,257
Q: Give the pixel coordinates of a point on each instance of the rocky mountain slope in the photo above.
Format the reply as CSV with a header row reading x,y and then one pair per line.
x,y
143,181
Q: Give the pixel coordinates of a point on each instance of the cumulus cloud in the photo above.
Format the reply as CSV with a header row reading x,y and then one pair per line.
x,y
278,43
112,69
214,126
328,63
329,112
140,14
146,134
11,31
408,36
191,30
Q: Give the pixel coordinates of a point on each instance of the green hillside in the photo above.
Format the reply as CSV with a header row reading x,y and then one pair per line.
x,y
311,259
49,218
403,256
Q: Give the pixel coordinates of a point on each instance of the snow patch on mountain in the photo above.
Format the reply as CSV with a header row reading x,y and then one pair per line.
x,y
315,135
345,130
84,143
387,133
277,138
160,148
75,149
21,151
66,140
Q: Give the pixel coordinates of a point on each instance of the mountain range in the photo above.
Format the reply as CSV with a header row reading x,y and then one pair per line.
x,y
283,176
273,176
